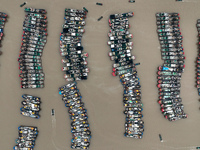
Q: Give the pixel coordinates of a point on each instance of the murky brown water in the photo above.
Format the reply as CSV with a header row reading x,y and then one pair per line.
x,y
102,93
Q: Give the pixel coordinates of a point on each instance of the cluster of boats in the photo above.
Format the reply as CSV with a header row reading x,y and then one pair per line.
x,y
169,74
124,67
33,41
80,129
75,69
3,18
74,59
26,139
30,106
198,59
